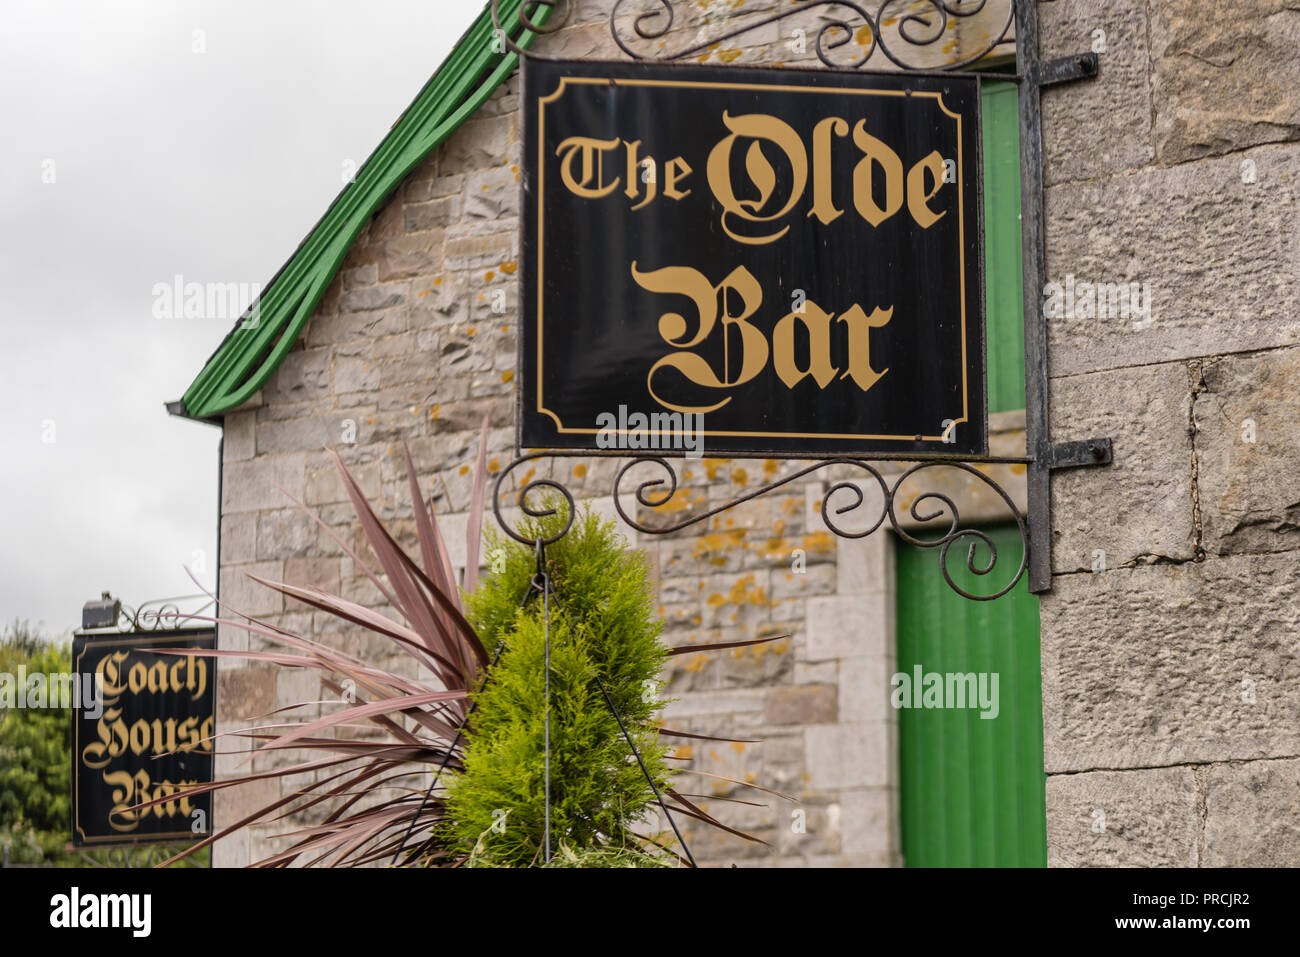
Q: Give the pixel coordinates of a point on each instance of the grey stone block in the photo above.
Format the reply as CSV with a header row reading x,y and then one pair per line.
x,y
286,533
1224,76
248,486
491,194
369,298
355,276
433,215
1099,126
479,143
355,375
237,433
1146,666
1139,508
303,376
867,824
1220,257
295,435
1248,462
1252,814
466,250
328,330
848,755
841,626
238,537
415,254
1122,819
240,595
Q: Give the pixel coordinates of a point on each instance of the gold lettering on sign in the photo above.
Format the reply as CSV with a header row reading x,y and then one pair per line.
x,y
880,183
876,153
823,203
693,284
676,169
131,789
816,322
633,163
588,180
156,737
760,128
185,674
860,325
917,197
591,151
881,186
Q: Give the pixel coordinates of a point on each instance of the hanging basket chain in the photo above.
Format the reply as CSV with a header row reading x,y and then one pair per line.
x,y
658,797
542,583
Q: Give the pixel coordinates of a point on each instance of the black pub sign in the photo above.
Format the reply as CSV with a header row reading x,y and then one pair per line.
x,y
751,260
146,734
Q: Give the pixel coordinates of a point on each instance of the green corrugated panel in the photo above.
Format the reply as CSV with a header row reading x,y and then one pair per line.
x,y
1003,292
253,350
971,789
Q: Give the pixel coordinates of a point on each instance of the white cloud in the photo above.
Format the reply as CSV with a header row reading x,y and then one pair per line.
x,y
211,165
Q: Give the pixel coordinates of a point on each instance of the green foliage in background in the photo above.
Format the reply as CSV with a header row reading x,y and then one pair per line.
x,y
602,623
35,756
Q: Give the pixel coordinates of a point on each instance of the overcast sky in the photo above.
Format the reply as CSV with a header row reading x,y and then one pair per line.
x,y
140,141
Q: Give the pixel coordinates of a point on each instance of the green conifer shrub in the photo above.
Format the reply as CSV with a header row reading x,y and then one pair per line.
x,y
602,624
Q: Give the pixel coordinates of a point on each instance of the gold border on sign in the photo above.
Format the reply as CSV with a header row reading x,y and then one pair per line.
x,y
541,245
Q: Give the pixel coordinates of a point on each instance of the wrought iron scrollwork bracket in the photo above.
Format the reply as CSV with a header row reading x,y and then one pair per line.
x,y
888,28
915,26
541,498
164,614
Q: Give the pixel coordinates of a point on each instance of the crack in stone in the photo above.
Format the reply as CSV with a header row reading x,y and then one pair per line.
x,y
1204,59
1198,774
1144,560
1148,559
1153,119
1177,764
1196,375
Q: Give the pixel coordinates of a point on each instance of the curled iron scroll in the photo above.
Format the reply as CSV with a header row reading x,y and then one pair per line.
x,y
657,491
163,614
528,11
917,24
531,499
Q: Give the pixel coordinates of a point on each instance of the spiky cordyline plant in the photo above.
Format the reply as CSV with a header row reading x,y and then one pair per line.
x,y
363,783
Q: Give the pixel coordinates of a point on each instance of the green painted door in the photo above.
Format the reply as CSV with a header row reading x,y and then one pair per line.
x,y
1003,291
971,787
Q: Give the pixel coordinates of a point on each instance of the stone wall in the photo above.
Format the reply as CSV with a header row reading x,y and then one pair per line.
x,y
1169,638
1171,652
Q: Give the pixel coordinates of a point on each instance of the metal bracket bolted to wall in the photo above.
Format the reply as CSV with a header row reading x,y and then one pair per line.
x,y
1066,69
1071,455
1047,456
